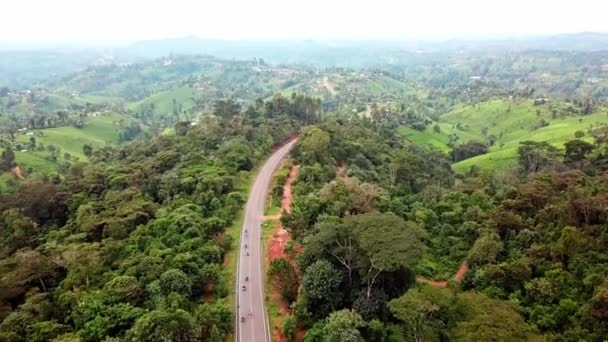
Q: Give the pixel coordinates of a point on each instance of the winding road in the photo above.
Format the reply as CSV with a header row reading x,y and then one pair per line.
x,y
251,323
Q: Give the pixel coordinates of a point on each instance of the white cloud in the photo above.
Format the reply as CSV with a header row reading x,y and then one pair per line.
x,y
105,21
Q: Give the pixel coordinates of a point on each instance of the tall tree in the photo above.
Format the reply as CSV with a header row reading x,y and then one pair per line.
x,y
160,325
87,150
490,320
214,316
536,156
320,287
576,150
343,326
314,146
426,312
389,243
7,160
227,109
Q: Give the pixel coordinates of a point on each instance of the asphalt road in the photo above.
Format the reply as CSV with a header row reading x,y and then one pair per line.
x,y
250,300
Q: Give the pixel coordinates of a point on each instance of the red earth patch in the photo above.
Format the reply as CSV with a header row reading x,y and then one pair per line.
x,y
17,172
276,249
458,277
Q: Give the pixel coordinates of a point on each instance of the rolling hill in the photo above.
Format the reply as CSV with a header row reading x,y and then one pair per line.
x,y
99,131
165,101
507,123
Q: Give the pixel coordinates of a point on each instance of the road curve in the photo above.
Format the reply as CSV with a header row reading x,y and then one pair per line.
x,y
250,264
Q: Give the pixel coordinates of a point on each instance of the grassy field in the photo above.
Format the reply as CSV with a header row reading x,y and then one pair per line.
x,y
163,101
510,122
377,87
437,140
53,102
35,161
100,131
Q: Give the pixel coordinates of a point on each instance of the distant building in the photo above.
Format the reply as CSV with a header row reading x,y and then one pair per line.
x,y
475,78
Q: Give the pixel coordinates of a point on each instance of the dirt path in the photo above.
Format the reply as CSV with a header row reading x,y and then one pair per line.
x,y
341,170
208,293
368,111
17,172
462,270
287,194
329,86
458,277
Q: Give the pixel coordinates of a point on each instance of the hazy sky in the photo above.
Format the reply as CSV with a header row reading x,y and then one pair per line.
x,y
121,21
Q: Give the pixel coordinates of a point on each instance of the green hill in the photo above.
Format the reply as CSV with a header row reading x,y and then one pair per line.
x,y
362,85
437,140
162,103
48,102
99,131
506,123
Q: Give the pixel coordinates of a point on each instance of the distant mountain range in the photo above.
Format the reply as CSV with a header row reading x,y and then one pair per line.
x,y
20,66
355,53
324,53
583,41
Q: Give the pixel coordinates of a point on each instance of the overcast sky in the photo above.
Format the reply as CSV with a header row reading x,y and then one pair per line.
x,y
122,21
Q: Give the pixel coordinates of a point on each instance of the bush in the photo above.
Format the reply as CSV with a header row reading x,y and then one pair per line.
x,y
289,328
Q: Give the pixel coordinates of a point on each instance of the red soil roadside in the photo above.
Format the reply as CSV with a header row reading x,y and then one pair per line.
x,y
276,249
